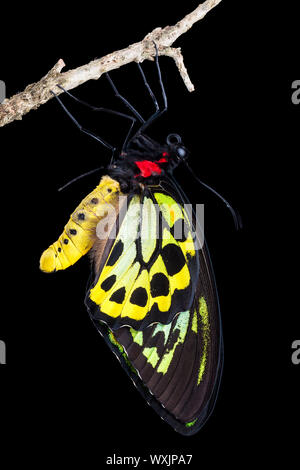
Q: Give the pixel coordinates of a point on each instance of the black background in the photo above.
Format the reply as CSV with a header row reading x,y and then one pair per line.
x,y
63,392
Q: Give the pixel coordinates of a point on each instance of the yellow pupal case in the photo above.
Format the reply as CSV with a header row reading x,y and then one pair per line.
x,y
79,234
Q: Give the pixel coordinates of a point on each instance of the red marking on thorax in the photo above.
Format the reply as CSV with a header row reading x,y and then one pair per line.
x,y
148,168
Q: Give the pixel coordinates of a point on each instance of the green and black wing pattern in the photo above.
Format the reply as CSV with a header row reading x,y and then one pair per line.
x,y
156,304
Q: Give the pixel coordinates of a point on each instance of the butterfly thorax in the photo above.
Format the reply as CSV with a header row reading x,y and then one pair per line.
x,y
144,163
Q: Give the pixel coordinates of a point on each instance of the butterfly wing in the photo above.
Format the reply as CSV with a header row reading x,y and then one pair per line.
x,y
176,364
149,274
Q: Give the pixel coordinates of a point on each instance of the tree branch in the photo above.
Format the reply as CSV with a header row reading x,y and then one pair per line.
x,y
40,92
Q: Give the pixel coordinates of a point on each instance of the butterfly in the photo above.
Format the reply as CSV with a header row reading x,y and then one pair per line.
x,y
153,294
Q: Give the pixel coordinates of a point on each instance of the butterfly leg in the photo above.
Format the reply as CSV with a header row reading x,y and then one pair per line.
x,y
129,106
106,110
148,87
158,111
82,129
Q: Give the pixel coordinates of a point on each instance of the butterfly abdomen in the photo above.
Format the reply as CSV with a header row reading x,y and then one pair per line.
x,y
79,233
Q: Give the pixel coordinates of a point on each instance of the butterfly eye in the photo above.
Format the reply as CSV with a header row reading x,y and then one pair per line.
x,y
181,152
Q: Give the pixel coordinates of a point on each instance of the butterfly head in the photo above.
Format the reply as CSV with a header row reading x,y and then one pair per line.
x,y
177,151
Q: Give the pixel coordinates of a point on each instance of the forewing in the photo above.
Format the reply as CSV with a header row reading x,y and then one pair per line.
x,y
149,274
176,365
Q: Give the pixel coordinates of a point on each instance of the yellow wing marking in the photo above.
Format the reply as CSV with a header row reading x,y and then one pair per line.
x,y
79,233
163,301
171,210
123,288
132,309
181,279
114,304
119,271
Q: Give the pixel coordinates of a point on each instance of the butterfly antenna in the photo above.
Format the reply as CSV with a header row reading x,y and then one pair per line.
x,y
79,177
236,216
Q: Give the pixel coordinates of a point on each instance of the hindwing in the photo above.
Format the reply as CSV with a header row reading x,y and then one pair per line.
x,y
176,367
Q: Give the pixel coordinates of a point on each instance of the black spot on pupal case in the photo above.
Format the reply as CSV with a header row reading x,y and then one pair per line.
x,y
95,200
81,216
66,241
73,231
